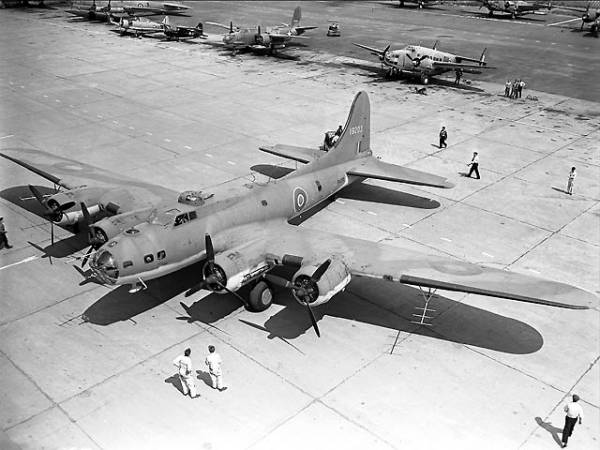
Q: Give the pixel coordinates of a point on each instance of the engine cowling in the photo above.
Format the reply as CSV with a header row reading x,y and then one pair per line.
x,y
107,228
233,270
334,280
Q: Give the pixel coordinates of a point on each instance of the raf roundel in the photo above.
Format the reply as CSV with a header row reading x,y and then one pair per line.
x,y
300,199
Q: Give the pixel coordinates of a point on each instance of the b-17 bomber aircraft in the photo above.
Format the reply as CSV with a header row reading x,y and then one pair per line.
x,y
140,232
424,62
515,8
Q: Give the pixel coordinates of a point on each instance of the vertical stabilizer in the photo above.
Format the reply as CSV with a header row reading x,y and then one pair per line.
x,y
296,17
356,136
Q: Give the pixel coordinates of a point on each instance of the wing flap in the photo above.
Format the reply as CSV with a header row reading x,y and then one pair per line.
x,y
300,154
371,167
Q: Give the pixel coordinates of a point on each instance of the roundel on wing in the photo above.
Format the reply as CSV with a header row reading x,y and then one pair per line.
x,y
300,199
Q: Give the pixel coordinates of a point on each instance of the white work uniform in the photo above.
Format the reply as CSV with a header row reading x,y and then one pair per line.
x,y
571,181
574,410
214,363
185,370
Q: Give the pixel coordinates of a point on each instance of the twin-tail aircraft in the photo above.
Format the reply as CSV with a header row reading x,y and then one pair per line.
x,y
138,231
261,38
515,8
424,62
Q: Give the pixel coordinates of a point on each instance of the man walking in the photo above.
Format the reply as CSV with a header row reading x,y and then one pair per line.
x,y
214,363
184,368
574,413
3,237
571,181
443,137
474,165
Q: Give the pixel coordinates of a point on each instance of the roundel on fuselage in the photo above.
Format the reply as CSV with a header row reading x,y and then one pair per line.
x,y
300,199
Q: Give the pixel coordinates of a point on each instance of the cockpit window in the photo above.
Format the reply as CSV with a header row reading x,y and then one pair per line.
x,y
127,264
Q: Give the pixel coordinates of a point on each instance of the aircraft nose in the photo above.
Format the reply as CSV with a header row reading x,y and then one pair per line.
x,y
104,266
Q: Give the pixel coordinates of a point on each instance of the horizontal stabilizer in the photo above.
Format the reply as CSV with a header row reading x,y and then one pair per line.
x,y
300,154
371,167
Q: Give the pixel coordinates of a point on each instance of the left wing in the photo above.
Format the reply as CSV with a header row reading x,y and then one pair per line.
x,y
369,259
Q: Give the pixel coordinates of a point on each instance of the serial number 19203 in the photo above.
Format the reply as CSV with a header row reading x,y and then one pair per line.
x,y
357,129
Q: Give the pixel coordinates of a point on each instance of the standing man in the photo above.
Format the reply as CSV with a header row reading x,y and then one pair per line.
x,y
184,368
443,137
507,89
571,181
459,73
214,363
521,86
474,165
339,131
3,238
574,412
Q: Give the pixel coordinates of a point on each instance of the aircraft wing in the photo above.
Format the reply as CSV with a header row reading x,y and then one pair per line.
x,y
371,167
373,50
300,154
71,174
306,28
369,259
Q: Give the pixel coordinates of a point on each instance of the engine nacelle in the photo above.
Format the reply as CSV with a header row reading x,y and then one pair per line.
x,y
107,228
233,270
335,279
74,217
66,200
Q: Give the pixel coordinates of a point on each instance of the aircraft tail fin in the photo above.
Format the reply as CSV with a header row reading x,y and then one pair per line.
x,y
296,17
435,45
166,21
356,135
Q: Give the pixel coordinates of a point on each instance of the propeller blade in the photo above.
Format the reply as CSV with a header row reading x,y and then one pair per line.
x,y
51,239
210,251
312,319
316,276
39,197
195,288
87,256
282,282
235,294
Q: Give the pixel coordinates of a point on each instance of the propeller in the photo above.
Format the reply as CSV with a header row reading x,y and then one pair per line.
x,y
214,276
417,61
304,290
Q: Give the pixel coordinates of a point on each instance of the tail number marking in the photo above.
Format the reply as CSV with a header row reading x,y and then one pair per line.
x,y
356,130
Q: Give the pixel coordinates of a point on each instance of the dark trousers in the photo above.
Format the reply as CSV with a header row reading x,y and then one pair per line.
x,y
4,241
568,429
443,142
474,168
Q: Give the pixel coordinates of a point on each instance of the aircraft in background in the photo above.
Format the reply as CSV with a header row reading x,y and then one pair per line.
x,y
140,232
420,3
120,8
592,18
138,25
178,32
515,8
424,62
293,28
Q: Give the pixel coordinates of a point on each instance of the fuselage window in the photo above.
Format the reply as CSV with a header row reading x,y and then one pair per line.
x,y
127,264
148,259
161,255
193,215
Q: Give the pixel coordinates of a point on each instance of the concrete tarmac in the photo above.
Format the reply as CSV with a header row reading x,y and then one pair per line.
x,y
84,366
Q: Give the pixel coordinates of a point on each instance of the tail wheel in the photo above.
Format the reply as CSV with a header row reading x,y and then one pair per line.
x,y
261,297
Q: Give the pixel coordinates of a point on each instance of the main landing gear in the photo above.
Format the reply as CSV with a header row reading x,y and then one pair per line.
x,y
260,297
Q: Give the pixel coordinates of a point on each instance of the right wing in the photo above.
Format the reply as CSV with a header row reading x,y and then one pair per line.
x,y
374,51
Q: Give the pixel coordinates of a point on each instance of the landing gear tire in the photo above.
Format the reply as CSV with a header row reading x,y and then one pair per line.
x,y
424,79
261,297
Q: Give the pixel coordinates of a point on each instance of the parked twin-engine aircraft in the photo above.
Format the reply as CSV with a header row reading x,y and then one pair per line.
x,y
140,231
514,7
119,8
271,38
592,18
293,28
424,62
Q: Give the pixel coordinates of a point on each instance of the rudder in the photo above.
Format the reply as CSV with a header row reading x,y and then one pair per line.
x,y
356,136
296,17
